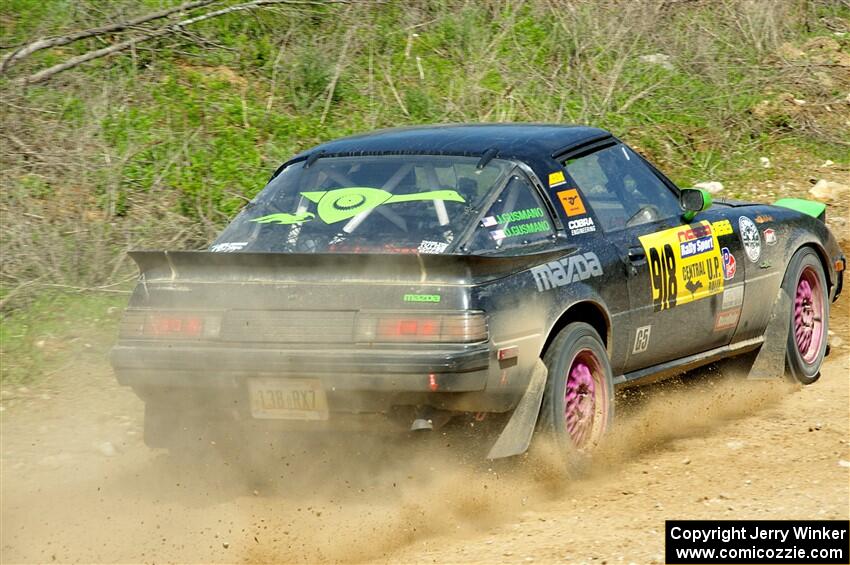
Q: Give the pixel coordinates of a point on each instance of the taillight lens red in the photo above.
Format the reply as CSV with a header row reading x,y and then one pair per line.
x,y
394,328
465,327
160,325
171,325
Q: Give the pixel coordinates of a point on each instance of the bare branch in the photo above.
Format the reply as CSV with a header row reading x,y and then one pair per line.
x,y
388,76
45,74
47,42
23,147
103,288
11,294
337,72
28,109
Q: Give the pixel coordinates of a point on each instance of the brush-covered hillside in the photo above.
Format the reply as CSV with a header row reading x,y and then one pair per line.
x,y
149,123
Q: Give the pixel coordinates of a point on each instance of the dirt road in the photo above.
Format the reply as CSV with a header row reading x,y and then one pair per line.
x,y
79,485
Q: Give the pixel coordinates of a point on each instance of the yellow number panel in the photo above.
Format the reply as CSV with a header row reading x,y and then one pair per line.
x,y
685,264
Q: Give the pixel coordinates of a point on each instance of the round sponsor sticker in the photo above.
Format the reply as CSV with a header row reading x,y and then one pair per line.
x,y
750,238
730,265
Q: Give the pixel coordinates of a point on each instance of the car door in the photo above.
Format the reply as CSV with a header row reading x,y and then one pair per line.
x,y
672,267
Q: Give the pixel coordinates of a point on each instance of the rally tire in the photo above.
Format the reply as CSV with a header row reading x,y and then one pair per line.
x,y
805,284
578,403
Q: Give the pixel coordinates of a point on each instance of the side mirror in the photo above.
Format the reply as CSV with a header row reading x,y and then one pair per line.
x,y
693,200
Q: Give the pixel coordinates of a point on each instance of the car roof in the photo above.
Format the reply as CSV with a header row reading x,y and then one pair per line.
x,y
525,142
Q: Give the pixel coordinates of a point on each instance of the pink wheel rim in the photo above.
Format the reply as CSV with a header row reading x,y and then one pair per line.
x,y
585,400
808,315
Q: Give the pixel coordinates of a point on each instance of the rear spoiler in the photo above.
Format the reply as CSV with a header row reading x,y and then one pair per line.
x,y
208,266
808,207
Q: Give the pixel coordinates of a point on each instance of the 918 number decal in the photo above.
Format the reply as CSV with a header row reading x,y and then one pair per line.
x,y
665,285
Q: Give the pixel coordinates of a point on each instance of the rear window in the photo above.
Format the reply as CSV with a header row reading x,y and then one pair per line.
x,y
515,219
381,204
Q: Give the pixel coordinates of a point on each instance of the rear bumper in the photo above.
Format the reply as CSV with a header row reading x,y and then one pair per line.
x,y
178,365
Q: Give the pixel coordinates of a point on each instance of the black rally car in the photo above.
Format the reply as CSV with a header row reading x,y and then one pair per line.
x,y
418,274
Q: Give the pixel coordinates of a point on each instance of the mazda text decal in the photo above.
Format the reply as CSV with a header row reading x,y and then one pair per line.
x,y
567,270
421,298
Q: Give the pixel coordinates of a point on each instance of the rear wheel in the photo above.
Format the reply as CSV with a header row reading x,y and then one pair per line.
x,y
578,404
805,284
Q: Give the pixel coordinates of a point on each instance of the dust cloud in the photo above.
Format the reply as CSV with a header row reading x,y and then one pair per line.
x,y
331,497
653,416
359,498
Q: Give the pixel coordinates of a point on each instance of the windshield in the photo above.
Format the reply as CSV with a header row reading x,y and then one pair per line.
x,y
380,204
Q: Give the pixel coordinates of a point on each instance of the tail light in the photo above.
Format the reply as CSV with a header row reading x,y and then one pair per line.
x,y
462,327
142,324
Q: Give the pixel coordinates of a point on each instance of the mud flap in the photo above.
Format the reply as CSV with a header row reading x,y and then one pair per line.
x,y
516,436
770,361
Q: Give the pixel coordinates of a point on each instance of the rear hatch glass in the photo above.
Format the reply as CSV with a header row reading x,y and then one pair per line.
x,y
373,204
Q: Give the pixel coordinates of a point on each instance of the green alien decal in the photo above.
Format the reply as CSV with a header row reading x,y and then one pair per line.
x,y
285,218
343,203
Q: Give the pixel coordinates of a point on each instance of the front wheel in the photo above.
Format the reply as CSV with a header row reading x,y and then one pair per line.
x,y
805,284
578,404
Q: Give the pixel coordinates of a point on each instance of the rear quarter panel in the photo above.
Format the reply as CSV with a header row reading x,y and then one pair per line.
x,y
781,232
524,308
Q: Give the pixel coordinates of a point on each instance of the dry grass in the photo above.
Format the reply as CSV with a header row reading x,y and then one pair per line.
x,y
160,145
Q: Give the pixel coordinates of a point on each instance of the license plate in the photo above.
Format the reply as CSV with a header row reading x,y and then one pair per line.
x,y
288,399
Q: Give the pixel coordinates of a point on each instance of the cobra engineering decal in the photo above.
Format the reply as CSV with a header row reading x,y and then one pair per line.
x,y
685,264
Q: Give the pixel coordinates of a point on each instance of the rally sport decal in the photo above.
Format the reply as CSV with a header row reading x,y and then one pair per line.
x,y
685,264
